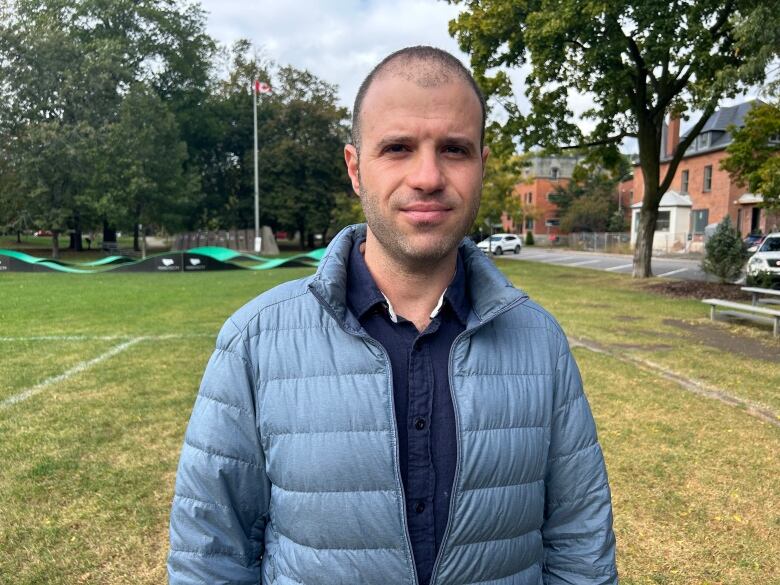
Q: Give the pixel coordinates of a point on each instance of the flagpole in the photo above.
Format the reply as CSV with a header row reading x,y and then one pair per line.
x,y
255,93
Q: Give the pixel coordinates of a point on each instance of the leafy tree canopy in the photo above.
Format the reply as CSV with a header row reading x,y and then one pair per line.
x,y
754,155
637,60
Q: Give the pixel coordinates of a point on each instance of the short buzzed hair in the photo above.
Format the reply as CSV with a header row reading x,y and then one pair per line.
x,y
441,64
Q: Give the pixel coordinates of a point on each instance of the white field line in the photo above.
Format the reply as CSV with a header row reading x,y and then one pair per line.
x,y
78,368
582,262
678,271
103,337
621,267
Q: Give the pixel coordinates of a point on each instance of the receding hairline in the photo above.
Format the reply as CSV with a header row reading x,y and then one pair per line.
x,y
425,66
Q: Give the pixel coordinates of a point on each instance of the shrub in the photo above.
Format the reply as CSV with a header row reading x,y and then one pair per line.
x,y
763,279
724,254
529,238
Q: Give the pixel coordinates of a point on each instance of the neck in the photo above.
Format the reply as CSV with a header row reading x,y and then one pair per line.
x,y
414,290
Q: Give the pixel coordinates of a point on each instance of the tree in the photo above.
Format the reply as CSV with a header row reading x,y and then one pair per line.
x,y
724,253
65,68
302,156
588,202
754,155
301,132
586,214
638,61
141,178
499,197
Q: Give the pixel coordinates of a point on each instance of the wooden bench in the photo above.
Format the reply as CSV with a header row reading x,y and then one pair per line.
x,y
758,292
746,311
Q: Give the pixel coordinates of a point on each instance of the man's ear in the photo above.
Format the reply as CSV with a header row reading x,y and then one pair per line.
x,y
351,158
485,155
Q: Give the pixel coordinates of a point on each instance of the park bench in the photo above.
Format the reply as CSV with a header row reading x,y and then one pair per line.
x,y
759,292
744,311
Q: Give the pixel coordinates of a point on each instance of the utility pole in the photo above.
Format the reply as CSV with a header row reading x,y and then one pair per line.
x,y
260,87
255,95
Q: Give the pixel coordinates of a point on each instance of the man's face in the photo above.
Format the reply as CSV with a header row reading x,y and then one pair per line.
x,y
419,173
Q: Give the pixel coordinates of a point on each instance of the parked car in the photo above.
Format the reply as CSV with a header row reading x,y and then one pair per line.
x,y
753,241
42,233
767,258
500,243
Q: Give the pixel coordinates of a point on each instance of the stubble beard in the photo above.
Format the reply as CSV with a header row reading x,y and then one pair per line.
x,y
401,249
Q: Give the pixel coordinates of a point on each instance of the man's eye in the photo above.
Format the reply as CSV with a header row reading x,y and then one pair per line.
x,y
453,149
395,148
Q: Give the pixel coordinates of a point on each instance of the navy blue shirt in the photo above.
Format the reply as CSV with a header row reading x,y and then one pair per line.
x,y
423,405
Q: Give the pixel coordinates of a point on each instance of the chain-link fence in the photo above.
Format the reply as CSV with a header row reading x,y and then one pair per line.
x,y
614,243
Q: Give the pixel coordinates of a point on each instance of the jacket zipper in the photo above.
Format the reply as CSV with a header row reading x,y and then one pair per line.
x,y
397,457
376,344
450,363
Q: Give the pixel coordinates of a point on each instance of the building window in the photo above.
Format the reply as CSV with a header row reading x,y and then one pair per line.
x,y
529,224
554,173
662,224
552,222
684,182
708,178
528,197
703,141
699,218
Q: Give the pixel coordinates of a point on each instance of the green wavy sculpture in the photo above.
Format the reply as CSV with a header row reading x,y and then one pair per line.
x,y
194,259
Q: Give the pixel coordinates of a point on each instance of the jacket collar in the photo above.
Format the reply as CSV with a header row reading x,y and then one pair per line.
x,y
489,290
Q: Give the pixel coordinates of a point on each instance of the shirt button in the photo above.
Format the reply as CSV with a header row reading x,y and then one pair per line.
x,y
419,424
419,508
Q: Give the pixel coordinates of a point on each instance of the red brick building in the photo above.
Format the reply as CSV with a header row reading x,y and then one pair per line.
x,y
712,195
540,180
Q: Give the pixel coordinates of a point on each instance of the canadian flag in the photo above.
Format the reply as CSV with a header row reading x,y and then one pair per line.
x,y
262,87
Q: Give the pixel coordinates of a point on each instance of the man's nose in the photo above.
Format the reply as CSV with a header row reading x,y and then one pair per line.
x,y
426,175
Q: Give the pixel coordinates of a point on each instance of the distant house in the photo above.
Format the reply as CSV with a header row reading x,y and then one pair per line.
x,y
540,179
701,193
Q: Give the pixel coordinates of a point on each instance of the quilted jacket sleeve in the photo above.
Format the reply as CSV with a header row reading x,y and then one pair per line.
x,y
222,492
579,544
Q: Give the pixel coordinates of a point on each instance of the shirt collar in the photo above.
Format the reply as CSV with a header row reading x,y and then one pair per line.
x,y
363,293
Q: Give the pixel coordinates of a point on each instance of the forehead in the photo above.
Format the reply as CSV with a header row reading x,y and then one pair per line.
x,y
431,102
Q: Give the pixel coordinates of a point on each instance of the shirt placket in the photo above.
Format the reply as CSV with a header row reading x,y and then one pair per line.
x,y
421,474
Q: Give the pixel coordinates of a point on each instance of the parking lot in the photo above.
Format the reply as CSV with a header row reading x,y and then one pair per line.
x,y
681,268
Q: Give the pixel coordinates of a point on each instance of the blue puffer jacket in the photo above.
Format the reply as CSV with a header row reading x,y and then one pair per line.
x,y
289,472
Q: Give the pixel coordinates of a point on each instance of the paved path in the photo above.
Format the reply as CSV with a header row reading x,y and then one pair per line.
x,y
682,268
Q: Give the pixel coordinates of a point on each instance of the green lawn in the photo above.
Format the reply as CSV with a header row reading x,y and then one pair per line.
x,y
89,460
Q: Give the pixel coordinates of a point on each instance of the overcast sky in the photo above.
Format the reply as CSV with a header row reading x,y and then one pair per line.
x,y
341,40
337,40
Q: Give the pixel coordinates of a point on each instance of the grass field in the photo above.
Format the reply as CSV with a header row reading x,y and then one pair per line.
x,y
109,366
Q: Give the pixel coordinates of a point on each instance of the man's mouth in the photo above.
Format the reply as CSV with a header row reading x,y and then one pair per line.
x,y
425,212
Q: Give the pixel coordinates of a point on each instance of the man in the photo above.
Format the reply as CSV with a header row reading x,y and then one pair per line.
x,y
405,415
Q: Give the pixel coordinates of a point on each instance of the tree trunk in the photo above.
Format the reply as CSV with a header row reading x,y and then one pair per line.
x,y
643,252
109,233
649,138
302,232
75,238
55,244
18,237
135,237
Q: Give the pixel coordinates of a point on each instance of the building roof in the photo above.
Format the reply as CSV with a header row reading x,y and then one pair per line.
x,y
717,124
748,198
670,199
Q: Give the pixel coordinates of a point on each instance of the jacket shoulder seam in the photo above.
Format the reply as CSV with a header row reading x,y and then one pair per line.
x,y
214,553
222,455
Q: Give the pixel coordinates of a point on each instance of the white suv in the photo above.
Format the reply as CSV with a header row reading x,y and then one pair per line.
x,y
767,258
500,243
